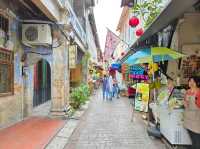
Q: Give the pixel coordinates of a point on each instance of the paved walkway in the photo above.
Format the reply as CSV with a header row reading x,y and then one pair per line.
x,y
107,125
32,133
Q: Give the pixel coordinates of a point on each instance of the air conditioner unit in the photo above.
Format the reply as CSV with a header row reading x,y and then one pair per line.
x,y
36,34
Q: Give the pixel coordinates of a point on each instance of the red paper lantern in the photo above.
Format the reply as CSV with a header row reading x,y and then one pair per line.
x,y
134,21
122,54
139,32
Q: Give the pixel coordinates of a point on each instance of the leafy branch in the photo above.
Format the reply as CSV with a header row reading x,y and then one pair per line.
x,y
148,10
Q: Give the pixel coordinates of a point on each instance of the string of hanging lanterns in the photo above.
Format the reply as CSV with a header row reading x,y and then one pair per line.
x,y
139,32
134,22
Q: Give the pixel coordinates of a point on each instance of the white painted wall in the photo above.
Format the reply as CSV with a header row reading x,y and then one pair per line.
x,y
91,41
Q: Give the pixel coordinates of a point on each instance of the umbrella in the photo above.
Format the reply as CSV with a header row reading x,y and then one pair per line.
x,y
156,54
151,55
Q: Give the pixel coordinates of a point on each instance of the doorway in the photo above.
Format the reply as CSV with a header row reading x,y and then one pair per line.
x,y
42,83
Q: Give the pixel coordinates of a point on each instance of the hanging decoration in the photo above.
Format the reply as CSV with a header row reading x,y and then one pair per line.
x,y
139,32
113,57
134,21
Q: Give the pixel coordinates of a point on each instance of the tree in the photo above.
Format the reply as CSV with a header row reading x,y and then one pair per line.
x,y
148,10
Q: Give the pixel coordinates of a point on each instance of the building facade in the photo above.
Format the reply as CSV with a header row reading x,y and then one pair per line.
x,y
35,41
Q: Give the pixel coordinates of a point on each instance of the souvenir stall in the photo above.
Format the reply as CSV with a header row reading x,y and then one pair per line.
x,y
169,108
125,78
90,78
140,77
95,73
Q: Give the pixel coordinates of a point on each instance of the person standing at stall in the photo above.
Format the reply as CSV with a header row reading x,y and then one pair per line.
x,y
192,111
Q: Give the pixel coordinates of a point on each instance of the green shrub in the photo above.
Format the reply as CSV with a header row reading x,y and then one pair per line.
x,y
79,96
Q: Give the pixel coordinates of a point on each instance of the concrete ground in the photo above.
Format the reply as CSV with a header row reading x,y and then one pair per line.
x,y
32,133
97,125
42,110
107,125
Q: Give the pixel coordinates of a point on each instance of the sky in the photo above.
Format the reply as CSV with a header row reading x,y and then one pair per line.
x,y
107,14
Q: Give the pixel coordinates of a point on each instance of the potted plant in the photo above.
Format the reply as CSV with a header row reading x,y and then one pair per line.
x,y
79,96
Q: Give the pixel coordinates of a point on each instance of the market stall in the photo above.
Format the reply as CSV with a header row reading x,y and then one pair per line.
x,y
167,107
168,112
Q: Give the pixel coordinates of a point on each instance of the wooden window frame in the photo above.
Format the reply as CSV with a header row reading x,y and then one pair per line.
x,y
10,63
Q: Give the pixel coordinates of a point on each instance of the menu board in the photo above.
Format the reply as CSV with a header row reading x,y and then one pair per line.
x,y
142,97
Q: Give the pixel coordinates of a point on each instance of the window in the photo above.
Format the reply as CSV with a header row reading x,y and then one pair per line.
x,y
6,72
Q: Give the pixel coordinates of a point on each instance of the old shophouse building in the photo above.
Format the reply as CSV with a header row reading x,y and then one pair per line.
x,y
35,41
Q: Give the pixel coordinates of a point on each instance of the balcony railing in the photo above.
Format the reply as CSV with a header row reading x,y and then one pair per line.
x,y
75,23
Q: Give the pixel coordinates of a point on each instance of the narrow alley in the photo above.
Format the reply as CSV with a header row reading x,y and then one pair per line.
x,y
107,125
59,59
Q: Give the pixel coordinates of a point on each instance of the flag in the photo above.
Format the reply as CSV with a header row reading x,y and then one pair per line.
x,y
111,43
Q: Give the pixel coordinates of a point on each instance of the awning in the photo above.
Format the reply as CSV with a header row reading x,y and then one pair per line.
x,y
172,11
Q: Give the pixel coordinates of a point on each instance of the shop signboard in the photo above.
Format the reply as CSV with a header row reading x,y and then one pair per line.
x,y
138,76
142,97
115,66
72,56
137,73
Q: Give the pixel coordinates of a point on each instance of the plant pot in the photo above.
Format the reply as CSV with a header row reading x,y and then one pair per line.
x,y
75,105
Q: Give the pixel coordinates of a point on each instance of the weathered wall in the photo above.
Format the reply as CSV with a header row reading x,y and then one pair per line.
x,y
60,79
79,8
19,105
11,106
49,8
28,78
92,49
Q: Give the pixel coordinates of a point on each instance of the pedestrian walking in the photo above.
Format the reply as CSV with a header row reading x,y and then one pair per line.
x,y
105,87
110,87
115,88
